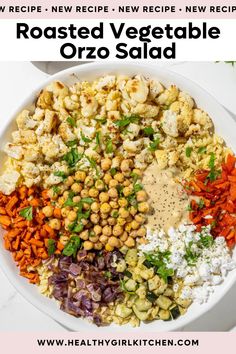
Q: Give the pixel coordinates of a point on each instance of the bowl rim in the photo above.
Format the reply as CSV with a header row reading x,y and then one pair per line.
x,y
22,289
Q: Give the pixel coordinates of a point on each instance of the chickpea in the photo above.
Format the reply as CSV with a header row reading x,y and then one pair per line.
x,y
103,222
125,165
65,195
117,230
141,232
116,162
103,239
143,207
76,188
97,229
48,211
109,248
129,218
112,192
95,207
105,208
128,227
124,236
67,223
119,177
135,225
61,201
76,199
140,218
114,204
80,176
65,211
113,241
84,193
72,215
93,238
104,216
127,191
88,245
113,183
137,171
106,164
84,235
141,196
129,242
103,197
89,181
111,221
133,210
55,224
126,183
107,178
93,192
98,246
107,230
123,213
133,234
69,181
94,218
121,221
99,184
86,206
141,241
122,202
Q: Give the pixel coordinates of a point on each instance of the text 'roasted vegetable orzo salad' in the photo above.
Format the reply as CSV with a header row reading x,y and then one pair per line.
x,y
118,200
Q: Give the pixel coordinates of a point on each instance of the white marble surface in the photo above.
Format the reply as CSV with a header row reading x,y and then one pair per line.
x,y
17,80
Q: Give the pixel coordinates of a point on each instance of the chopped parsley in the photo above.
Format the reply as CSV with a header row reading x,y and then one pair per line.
x,y
213,174
101,120
71,121
201,203
72,246
115,214
60,174
190,256
51,247
27,213
188,151
126,120
138,187
109,146
93,164
202,150
84,138
148,131
98,139
72,157
113,171
206,241
154,144
72,143
158,261
55,190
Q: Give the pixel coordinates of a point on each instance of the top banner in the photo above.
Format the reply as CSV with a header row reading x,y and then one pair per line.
x,y
119,9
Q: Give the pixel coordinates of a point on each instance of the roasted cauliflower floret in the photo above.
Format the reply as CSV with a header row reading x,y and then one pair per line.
x,y
8,182
202,118
155,89
70,104
161,158
89,105
132,146
184,97
169,123
168,96
146,110
45,99
14,151
58,89
137,89
25,121
184,115
65,132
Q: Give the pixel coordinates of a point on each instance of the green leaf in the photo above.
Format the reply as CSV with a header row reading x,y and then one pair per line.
x,y
154,144
87,200
211,162
148,131
107,274
190,256
115,214
51,247
72,157
135,177
189,208
202,150
119,189
72,143
101,120
78,228
201,203
93,164
109,146
71,121
72,246
113,171
126,120
98,139
158,261
206,241
165,272
138,187
60,174
27,213
84,138
55,190
188,151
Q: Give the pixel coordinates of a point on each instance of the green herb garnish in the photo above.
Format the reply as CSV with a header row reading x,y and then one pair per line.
x,y
202,150
101,120
154,144
138,187
206,241
107,274
148,131
113,171
72,143
27,213
115,214
55,190
84,138
213,174
201,203
188,151
109,146
60,174
51,247
126,120
190,256
72,157
189,208
72,246
158,261
71,121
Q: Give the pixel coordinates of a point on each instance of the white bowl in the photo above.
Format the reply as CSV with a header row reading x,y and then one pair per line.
x,y
224,125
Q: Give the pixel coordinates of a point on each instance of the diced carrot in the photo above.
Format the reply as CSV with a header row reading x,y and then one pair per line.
x,y
45,194
36,242
230,162
2,211
233,172
60,246
233,192
11,204
35,202
57,213
5,220
232,179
